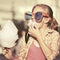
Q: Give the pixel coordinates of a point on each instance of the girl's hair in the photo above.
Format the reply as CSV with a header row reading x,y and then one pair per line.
x,y
50,12
52,23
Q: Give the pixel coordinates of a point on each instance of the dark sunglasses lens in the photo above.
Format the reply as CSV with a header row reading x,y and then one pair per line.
x,y
28,16
38,15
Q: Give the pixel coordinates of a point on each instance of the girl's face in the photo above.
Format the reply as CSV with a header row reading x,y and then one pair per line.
x,y
40,16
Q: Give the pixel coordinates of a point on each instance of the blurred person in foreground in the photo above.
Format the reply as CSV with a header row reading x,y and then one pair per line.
x,y
8,37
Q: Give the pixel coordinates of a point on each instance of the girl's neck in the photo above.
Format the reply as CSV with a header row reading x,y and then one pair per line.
x,y
43,28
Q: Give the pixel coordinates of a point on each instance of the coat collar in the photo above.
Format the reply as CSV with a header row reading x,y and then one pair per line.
x,y
48,30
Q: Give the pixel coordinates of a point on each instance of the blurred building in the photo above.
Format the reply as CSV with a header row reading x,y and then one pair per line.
x,y
15,9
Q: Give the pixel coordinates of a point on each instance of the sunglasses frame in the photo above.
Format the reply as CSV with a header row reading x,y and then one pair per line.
x,y
43,15
28,15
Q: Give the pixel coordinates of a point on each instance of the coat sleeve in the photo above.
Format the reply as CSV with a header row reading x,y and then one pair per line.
x,y
54,45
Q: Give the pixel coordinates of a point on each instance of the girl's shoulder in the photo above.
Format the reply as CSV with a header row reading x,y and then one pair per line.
x,y
55,33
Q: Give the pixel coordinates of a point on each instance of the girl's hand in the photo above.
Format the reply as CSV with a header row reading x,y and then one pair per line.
x,y
33,31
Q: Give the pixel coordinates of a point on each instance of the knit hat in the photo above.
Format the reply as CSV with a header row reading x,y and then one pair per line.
x,y
8,35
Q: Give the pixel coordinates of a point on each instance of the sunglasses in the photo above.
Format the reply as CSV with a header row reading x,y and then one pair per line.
x,y
38,16
28,16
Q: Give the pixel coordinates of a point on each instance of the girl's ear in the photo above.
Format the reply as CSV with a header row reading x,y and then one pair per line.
x,y
47,20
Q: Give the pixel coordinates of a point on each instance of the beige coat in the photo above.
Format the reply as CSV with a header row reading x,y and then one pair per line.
x,y
51,39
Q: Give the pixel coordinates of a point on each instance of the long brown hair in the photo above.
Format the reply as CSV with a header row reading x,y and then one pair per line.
x,y
54,24
50,12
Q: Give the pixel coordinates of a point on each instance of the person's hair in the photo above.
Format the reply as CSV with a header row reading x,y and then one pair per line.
x,y
50,12
21,26
54,24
